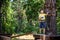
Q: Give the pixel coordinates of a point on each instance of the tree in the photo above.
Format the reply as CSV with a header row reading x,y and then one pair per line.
x,y
58,16
28,14
50,7
7,25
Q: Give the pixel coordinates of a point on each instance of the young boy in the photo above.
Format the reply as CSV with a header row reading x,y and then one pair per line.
x,y
42,18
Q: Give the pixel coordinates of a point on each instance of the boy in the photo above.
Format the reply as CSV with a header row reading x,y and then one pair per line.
x,y
42,18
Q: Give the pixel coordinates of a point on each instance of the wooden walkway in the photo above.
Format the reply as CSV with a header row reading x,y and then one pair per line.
x,y
47,37
36,36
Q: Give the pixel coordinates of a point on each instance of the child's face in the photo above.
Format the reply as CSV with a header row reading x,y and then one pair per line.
x,y
42,11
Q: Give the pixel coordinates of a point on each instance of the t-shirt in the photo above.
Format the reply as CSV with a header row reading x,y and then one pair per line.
x,y
42,16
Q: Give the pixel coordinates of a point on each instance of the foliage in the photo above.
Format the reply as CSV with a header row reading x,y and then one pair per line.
x,y
7,18
27,15
58,16
32,8
21,16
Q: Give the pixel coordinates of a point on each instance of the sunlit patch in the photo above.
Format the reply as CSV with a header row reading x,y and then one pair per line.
x,y
11,0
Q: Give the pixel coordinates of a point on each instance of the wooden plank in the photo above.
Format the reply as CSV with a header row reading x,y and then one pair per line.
x,y
47,37
41,36
4,38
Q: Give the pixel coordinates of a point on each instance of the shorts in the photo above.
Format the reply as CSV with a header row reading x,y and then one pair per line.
x,y
42,25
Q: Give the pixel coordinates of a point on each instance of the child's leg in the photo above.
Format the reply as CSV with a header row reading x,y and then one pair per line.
x,y
40,30
44,26
44,30
44,37
41,27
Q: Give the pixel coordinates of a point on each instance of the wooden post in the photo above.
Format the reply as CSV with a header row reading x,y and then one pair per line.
x,y
4,38
50,7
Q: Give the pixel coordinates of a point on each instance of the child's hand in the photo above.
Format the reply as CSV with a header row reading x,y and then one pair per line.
x,y
47,13
53,14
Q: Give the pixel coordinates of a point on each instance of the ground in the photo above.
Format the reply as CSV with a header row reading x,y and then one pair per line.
x,y
26,37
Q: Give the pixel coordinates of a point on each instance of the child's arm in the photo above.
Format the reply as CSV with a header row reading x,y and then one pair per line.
x,y
39,18
47,13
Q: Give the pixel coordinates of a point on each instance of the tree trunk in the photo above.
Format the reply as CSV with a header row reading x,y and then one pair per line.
x,y
50,7
1,17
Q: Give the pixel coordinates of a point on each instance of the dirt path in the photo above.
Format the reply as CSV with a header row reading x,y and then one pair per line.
x,y
26,37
